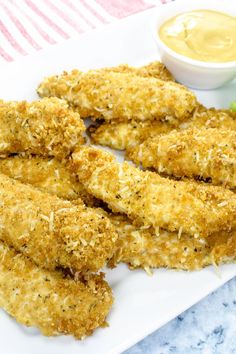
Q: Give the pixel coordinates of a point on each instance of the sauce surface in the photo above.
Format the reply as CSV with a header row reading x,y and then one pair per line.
x,y
204,35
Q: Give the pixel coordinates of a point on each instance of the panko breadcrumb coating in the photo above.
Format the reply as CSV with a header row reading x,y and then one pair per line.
x,y
47,174
138,247
125,135
211,118
142,248
51,302
150,200
51,231
208,153
47,127
154,69
120,97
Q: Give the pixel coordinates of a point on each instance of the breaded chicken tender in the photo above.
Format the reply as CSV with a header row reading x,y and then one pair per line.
x,y
125,135
47,127
208,153
141,248
51,231
47,174
120,97
155,69
47,300
150,200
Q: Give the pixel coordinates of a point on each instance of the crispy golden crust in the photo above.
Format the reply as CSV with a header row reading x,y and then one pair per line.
x,y
211,118
141,248
155,69
51,231
138,247
125,135
208,153
49,301
47,127
147,198
47,174
119,96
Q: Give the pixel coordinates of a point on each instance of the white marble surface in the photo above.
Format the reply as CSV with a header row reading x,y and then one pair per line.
x,y
208,327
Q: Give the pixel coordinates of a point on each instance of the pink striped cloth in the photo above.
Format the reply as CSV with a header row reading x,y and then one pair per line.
x,y
30,25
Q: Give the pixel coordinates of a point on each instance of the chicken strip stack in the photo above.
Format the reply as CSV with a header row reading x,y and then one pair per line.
x,y
49,301
51,231
125,135
205,153
47,174
138,247
149,199
47,127
141,248
121,97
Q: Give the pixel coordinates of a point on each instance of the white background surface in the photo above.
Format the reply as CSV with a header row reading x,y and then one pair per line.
x,y
142,303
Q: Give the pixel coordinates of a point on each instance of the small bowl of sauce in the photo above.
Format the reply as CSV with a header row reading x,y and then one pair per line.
x,y
197,41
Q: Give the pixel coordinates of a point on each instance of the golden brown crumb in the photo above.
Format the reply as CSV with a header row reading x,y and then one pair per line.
x,y
142,248
209,153
211,118
125,135
154,69
47,300
149,199
47,174
138,247
119,96
47,127
51,231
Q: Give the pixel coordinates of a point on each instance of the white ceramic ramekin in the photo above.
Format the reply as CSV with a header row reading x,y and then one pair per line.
x,y
190,72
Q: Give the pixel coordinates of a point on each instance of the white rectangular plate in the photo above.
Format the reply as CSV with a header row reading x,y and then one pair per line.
x,y
142,303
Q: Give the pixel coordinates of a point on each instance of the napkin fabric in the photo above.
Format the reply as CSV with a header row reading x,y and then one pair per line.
x,y
27,26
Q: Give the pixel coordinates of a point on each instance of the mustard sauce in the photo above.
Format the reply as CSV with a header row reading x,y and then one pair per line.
x,y
204,35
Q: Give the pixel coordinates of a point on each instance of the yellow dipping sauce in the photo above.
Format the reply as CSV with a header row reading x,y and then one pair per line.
x,y
204,35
